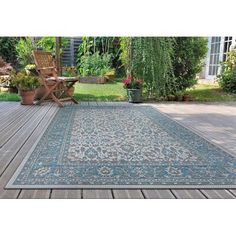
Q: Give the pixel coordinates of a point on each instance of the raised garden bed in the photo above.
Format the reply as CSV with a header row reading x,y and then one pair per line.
x,y
93,80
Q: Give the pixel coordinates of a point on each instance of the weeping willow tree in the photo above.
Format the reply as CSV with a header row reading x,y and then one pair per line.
x,y
151,60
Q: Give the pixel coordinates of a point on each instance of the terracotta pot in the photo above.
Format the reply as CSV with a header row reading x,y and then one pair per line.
x,y
27,97
187,97
71,91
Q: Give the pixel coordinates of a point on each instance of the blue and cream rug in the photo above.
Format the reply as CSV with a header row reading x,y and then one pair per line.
x,y
122,147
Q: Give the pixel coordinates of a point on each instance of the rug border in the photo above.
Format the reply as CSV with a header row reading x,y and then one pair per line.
x,y
10,185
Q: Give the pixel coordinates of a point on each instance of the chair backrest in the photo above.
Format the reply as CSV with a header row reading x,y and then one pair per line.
x,y
44,63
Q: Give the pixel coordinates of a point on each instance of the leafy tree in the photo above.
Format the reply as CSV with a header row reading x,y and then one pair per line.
x,y
49,43
151,60
188,56
8,49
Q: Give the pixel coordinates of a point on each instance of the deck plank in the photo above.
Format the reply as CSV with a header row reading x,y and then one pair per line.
x,y
4,109
10,116
188,194
158,194
5,105
66,194
233,191
15,160
97,194
13,145
9,131
128,193
217,193
34,194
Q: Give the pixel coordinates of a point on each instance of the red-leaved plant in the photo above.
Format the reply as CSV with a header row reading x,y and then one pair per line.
x,y
5,68
132,83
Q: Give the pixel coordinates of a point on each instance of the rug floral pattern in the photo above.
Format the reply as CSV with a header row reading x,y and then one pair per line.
x,y
122,146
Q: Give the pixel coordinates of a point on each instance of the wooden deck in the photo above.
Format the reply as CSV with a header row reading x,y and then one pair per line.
x,y
21,125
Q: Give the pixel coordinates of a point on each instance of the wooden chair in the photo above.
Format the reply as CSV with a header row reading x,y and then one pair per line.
x,y
58,89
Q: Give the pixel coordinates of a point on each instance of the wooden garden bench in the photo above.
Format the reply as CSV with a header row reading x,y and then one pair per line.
x,y
58,88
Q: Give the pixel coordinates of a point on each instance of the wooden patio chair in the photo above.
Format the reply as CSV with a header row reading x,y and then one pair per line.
x,y
58,89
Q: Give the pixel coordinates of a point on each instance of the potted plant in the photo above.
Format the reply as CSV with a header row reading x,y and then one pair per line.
x,y
26,85
134,89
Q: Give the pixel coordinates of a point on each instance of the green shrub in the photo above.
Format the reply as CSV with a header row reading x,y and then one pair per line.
x,y
95,64
228,81
227,78
187,61
24,49
8,49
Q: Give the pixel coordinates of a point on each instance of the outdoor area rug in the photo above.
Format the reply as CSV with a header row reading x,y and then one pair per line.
x,y
122,146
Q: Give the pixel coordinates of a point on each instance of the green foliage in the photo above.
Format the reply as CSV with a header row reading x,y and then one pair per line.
x,y
188,56
24,82
168,65
25,46
227,78
125,47
49,43
95,64
24,49
151,60
102,46
8,49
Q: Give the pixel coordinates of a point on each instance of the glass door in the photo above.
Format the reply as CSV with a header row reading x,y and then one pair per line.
x,y
214,57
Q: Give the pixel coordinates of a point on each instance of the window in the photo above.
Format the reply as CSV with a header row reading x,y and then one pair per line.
x,y
227,44
214,56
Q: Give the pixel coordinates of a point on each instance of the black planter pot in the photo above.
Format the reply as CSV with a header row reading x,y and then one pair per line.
x,y
134,95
